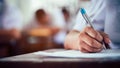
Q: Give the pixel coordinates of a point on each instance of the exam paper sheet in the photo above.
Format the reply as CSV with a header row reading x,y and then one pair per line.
x,y
78,54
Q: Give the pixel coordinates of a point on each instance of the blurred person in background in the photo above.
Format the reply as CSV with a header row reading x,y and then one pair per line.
x,y
105,18
10,28
67,18
58,20
47,26
50,25
41,25
63,20
10,22
41,19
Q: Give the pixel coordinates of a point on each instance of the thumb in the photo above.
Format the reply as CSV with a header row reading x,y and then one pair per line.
x,y
106,39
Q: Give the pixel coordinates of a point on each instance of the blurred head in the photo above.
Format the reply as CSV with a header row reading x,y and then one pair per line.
x,y
42,17
66,14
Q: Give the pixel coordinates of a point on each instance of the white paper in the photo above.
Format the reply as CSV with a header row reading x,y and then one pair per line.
x,y
78,54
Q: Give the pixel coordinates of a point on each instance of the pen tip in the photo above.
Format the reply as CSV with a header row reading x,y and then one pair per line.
x,y
82,10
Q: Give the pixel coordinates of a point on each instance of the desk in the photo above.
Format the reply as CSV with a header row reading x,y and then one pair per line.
x,y
36,61
28,44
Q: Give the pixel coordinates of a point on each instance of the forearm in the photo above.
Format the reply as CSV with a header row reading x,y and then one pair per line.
x,y
72,40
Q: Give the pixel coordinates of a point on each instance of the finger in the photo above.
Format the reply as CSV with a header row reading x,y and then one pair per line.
x,y
99,37
90,41
84,50
106,38
93,33
89,48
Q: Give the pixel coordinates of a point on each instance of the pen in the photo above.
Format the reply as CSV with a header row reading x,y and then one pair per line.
x,y
85,16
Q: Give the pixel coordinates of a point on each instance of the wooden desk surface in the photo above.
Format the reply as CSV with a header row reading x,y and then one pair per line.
x,y
36,61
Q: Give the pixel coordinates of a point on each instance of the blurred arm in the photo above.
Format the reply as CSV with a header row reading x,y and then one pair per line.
x,y
72,40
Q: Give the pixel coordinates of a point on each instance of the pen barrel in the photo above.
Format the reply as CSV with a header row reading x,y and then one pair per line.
x,y
87,20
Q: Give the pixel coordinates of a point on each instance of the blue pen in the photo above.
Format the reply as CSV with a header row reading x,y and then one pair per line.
x,y
85,16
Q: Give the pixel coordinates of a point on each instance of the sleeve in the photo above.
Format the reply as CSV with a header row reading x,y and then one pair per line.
x,y
12,18
96,15
80,22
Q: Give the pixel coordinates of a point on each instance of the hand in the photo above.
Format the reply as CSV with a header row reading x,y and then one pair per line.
x,y
90,40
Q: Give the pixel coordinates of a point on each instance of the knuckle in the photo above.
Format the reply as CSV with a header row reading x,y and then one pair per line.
x,y
82,35
99,45
92,42
95,33
88,28
100,38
